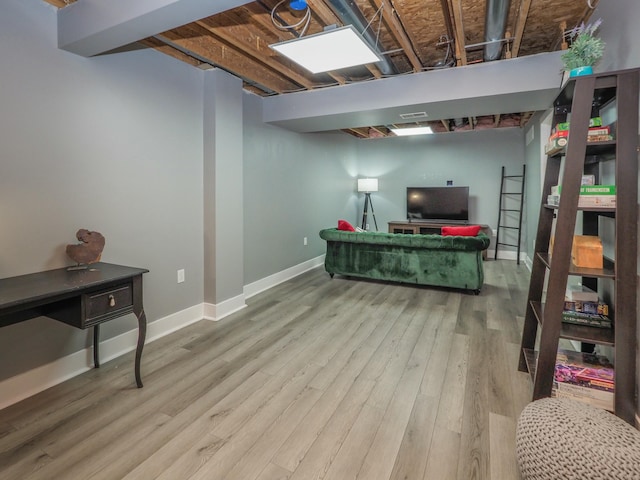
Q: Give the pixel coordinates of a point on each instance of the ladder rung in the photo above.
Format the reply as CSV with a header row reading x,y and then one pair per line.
x,y
512,193
507,244
509,210
504,226
512,176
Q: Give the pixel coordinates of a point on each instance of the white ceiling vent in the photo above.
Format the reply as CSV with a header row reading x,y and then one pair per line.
x,y
413,116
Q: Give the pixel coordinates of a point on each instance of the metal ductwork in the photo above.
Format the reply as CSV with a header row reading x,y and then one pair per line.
x,y
349,14
494,28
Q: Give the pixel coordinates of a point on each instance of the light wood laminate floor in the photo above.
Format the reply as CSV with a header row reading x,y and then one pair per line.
x,y
317,378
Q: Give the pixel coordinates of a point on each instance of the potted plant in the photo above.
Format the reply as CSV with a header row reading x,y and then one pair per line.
x,y
585,50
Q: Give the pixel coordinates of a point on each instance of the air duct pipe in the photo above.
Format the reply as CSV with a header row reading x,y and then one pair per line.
x,y
349,14
494,28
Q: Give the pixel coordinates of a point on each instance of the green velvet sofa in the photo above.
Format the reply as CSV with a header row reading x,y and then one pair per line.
x,y
444,261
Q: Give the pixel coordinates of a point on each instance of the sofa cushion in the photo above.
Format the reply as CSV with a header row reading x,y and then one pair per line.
x,y
345,226
449,242
463,231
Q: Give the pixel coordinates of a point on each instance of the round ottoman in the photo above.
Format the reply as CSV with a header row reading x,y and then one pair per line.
x,y
558,438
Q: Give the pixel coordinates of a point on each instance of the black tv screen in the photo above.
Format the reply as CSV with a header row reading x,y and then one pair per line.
x,y
438,203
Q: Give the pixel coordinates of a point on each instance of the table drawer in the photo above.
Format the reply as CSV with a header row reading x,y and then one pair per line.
x,y
107,303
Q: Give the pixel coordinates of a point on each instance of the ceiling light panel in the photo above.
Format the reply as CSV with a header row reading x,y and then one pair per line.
x,y
328,50
401,132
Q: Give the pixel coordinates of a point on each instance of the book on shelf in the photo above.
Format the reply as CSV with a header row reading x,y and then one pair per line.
x,y
592,132
599,138
585,377
588,190
590,196
593,122
602,130
580,293
599,307
588,319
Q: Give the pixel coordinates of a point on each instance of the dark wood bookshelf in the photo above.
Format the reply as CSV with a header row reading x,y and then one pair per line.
x,y
615,94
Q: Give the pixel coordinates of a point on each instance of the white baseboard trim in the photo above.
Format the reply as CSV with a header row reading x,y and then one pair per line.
x,y
277,278
45,376
220,310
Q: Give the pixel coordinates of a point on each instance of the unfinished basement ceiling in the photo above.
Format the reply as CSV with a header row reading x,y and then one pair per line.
x,y
415,36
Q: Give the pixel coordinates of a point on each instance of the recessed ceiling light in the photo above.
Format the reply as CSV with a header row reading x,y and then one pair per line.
x,y
401,132
328,50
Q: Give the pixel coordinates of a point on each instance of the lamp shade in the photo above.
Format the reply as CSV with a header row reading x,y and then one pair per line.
x,y
367,185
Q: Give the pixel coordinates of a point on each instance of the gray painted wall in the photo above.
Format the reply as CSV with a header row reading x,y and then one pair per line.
x,y
619,30
294,186
471,159
112,143
533,153
222,178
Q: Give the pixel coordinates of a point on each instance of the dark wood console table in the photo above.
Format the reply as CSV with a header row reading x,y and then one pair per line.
x,y
80,298
426,227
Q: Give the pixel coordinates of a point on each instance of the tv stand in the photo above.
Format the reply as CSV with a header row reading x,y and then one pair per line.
x,y
432,227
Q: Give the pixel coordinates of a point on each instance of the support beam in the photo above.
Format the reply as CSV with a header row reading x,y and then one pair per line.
x,y
523,14
92,27
461,51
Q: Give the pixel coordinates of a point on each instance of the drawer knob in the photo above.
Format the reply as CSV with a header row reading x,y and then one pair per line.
x,y
112,301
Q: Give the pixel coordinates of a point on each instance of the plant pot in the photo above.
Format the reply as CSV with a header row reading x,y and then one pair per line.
x,y
577,72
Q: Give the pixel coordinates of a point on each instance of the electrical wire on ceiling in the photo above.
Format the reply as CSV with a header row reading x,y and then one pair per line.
x,y
304,21
378,12
448,60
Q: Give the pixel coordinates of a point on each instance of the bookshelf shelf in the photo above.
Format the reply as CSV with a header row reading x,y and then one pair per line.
x,y
580,333
607,272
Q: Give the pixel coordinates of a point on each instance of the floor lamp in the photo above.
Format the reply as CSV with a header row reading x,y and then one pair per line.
x,y
366,186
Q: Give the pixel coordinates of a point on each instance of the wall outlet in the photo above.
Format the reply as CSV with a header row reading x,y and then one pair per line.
x,y
304,241
181,275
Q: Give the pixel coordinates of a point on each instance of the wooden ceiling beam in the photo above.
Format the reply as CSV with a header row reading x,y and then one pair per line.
x,y
523,15
382,131
445,124
200,42
397,30
171,51
358,132
461,52
323,12
446,14
260,52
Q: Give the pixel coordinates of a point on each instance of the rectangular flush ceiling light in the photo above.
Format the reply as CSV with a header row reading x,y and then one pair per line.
x,y
411,131
328,50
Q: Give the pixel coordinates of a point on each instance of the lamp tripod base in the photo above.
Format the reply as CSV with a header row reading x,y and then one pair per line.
x,y
368,203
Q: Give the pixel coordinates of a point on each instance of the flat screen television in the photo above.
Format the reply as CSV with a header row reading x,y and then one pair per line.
x,y
438,203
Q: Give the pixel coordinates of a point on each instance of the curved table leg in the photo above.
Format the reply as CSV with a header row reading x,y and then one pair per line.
x,y
142,334
96,343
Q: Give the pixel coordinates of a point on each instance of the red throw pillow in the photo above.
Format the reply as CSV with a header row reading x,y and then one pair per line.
x,y
346,226
465,231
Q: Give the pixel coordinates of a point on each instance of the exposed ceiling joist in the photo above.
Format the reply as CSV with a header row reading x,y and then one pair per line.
x,y
523,14
461,53
417,35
